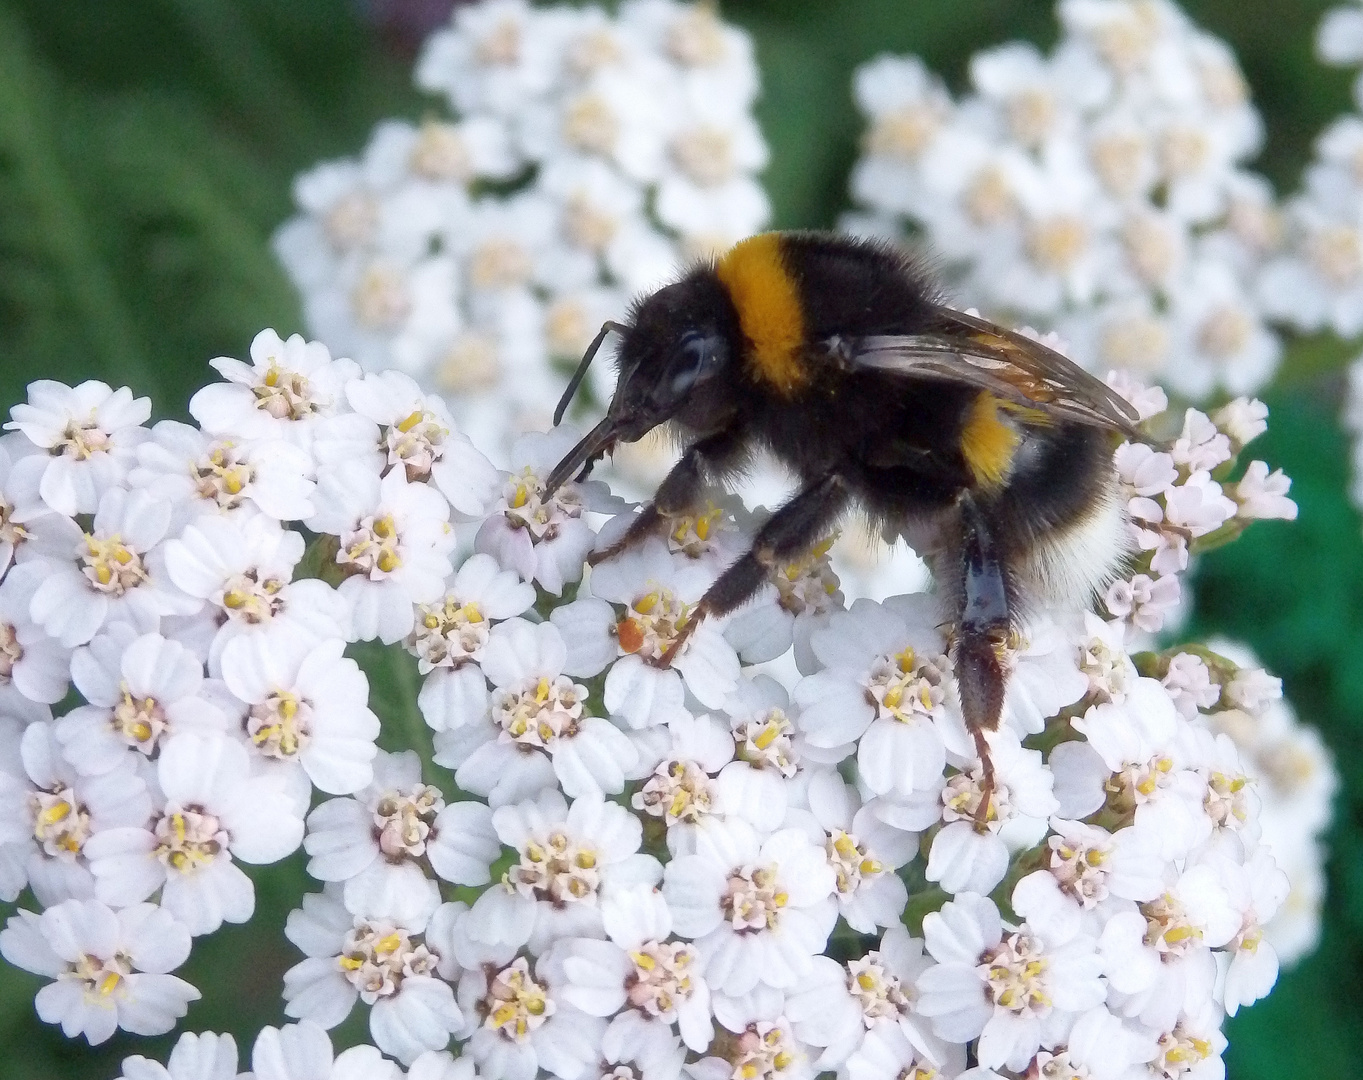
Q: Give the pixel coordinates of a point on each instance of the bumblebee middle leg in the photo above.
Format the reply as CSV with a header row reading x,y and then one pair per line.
x,y
788,534
982,629
703,460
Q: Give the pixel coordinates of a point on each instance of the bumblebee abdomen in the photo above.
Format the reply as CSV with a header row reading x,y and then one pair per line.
x,y
1062,514
988,442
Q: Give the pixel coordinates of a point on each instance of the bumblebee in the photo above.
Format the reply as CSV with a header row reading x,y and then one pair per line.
x,y
988,452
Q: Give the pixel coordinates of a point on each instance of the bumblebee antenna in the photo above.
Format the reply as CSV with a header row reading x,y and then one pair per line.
x,y
581,372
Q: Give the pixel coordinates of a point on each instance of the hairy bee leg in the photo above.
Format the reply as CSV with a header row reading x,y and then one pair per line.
x,y
981,630
640,529
678,491
788,534
986,778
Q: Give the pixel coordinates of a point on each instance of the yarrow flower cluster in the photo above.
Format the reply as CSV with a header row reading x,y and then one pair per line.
x,y
1332,202
765,860
1186,498
1316,283
1098,191
586,155
156,571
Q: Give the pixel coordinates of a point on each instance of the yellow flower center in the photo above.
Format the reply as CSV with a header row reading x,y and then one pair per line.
x,y
111,566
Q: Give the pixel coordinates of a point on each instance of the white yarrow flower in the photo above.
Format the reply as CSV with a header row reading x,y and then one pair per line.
x,y
110,969
215,812
90,434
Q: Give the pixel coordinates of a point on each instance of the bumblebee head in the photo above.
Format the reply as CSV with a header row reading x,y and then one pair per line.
x,y
673,360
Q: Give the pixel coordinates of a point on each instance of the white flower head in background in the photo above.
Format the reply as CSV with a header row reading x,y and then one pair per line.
x,y
586,155
1099,191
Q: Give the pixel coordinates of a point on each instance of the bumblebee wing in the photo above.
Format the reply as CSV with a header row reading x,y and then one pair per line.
x,y
965,349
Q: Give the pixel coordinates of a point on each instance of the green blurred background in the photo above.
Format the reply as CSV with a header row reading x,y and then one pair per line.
x,y
146,153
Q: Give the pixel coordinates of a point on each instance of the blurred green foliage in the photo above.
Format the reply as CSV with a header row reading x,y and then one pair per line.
x,y
146,153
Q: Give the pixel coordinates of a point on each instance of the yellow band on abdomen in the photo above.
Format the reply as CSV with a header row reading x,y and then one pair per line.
x,y
769,312
987,443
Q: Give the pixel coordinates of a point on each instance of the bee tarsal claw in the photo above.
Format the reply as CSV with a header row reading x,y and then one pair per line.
x,y
664,659
983,812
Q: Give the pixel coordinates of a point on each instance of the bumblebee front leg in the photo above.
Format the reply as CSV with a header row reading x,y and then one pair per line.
x,y
787,535
703,460
982,630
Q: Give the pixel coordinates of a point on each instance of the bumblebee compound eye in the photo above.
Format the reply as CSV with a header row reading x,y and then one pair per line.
x,y
699,355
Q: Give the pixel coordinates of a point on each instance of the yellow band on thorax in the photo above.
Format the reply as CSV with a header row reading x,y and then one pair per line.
x,y
769,313
987,442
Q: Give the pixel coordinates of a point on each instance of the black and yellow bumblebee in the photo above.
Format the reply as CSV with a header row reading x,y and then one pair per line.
x,y
990,453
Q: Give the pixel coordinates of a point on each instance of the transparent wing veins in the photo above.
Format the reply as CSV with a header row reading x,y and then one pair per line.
x,y
967,350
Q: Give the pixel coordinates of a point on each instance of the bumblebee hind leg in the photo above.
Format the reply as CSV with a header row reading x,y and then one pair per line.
x,y
982,629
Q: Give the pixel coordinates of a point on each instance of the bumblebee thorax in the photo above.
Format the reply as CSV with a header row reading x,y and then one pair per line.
x,y
765,295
